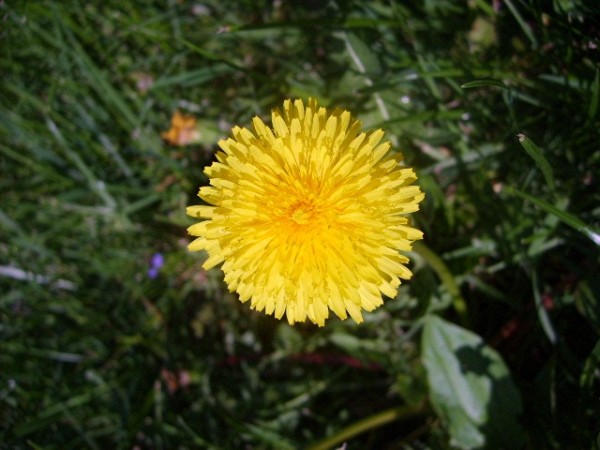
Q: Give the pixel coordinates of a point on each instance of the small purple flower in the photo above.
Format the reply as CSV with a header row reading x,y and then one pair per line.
x,y
156,262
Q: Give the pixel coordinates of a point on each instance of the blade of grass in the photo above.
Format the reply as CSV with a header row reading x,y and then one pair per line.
x,y
524,26
193,78
485,7
469,158
140,204
542,314
31,163
9,224
565,217
484,83
19,274
593,108
212,56
196,439
425,67
422,117
97,186
49,415
98,79
360,66
357,22
539,158
569,81
75,422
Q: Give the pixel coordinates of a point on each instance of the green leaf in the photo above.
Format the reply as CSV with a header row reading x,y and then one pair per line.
x,y
537,155
470,388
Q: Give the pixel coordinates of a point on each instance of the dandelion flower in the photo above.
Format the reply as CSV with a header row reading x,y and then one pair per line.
x,y
309,215
183,130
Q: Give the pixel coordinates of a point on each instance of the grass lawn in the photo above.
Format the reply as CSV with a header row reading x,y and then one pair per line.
x,y
112,335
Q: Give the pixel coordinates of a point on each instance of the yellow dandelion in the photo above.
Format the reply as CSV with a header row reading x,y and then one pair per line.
x,y
308,216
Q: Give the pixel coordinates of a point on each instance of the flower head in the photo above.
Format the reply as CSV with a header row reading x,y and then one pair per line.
x,y
183,130
308,216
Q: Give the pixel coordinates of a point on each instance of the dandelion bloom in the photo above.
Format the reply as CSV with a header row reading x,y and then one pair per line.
x,y
183,130
308,216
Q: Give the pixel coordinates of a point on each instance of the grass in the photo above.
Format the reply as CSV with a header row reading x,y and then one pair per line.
x,y
494,104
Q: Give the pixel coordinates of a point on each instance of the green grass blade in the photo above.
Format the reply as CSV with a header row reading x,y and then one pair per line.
x,y
524,26
194,77
593,108
484,83
96,185
565,217
539,158
541,311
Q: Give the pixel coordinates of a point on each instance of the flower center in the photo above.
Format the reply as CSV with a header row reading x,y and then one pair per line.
x,y
303,212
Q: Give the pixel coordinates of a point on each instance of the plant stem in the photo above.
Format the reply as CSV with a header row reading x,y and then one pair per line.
x,y
438,265
369,423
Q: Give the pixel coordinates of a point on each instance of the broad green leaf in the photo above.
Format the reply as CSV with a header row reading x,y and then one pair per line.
x,y
470,388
